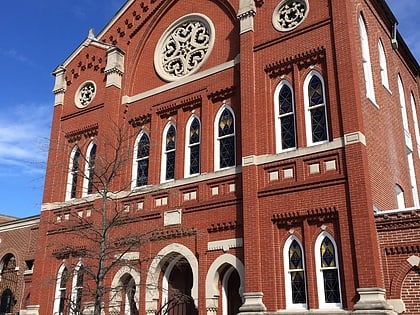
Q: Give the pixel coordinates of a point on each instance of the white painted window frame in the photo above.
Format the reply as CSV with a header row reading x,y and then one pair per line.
x,y
308,117
366,60
136,160
58,290
278,116
320,275
71,173
287,275
87,169
217,138
165,152
75,288
383,65
187,159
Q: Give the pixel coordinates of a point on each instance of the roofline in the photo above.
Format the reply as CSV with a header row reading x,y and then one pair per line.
x,y
19,223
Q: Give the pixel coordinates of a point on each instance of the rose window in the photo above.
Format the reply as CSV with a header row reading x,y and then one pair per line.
x,y
184,47
85,94
289,14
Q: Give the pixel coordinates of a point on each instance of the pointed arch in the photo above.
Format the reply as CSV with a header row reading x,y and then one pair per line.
x,y
61,290
316,116
366,61
284,110
383,64
140,173
172,252
168,153
88,178
328,272
294,274
220,270
225,138
73,173
76,289
125,291
192,146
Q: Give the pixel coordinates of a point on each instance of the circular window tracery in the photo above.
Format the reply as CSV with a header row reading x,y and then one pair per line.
x,y
85,94
289,14
184,47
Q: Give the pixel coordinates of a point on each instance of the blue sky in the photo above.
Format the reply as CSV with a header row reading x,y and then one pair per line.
x,y
37,36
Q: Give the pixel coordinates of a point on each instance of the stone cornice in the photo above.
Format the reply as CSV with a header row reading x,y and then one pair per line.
x,y
305,59
87,132
318,215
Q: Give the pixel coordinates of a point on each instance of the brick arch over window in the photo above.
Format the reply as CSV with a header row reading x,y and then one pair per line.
x,y
410,291
404,268
119,284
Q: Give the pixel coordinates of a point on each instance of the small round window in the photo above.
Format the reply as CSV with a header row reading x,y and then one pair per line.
x,y
85,94
184,47
289,14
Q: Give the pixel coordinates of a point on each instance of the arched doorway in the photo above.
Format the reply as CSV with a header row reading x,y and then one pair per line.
x,y
177,284
231,299
8,284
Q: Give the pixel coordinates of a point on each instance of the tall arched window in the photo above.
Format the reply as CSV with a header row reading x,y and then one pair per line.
x,y
192,150
399,192
328,275
284,109
383,65
367,66
141,160
168,149
73,173
316,109
60,290
415,120
225,138
295,279
76,292
88,181
403,108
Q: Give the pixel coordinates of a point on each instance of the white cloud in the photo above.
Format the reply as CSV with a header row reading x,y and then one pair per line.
x,y
23,134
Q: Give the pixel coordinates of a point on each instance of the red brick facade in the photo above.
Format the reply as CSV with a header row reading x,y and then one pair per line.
x,y
294,160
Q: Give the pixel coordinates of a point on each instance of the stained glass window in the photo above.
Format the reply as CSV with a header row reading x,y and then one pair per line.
x,y
62,290
74,172
226,137
194,147
297,273
142,159
78,289
317,110
287,118
170,153
91,166
329,271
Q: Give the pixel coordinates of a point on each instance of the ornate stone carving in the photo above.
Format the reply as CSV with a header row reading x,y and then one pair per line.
x,y
85,94
289,14
184,47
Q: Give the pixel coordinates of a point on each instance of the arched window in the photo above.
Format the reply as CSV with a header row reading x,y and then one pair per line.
x,y
284,109
60,291
383,65
328,275
73,173
403,108
192,150
295,279
400,197
168,149
7,301
316,109
141,160
76,292
88,186
367,66
225,138
415,120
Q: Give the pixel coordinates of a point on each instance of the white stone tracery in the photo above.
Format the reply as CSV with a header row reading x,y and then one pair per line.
x,y
85,94
184,47
289,14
